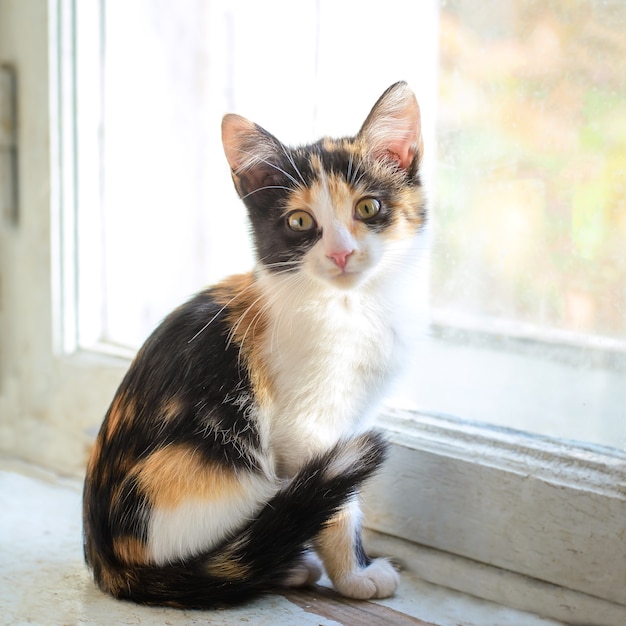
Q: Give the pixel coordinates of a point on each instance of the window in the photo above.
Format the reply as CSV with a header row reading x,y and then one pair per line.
x,y
167,75
528,264
115,210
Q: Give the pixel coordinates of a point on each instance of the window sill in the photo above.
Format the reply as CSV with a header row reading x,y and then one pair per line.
x,y
44,552
527,521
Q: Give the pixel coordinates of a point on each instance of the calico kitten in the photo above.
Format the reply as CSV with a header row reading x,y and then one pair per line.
x,y
233,451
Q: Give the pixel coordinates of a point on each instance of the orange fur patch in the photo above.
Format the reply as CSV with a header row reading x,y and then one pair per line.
x,y
120,413
342,195
225,566
176,473
94,458
248,321
111,581
408,218
116,414
130,550
171,409
335,544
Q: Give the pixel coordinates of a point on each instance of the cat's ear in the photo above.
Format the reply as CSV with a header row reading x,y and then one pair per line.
x,y
392,130
250,151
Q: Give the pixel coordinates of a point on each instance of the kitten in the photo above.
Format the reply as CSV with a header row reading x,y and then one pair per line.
x,y
233,451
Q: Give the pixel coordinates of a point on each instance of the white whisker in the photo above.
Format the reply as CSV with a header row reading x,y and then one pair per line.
x,y
264,188
237,295
267,162
349,174
293,163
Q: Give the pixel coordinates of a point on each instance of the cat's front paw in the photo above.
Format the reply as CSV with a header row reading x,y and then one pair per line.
x,y
378,580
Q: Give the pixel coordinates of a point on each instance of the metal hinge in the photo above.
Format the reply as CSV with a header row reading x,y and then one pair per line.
x,y
8,145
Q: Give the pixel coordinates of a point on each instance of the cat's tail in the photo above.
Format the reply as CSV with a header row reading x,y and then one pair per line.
x,y
260,557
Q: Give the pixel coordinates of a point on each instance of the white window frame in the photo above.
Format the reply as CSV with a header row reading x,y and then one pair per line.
x,y
50,391
532,522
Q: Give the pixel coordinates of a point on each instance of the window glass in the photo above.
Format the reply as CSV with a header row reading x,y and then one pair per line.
x,y
529,265
170,220
531,192
161,178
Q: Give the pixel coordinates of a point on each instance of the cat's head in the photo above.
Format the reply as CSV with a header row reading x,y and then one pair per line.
x,y
340,210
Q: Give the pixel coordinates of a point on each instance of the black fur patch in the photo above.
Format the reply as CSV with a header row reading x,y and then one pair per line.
x,y
194,363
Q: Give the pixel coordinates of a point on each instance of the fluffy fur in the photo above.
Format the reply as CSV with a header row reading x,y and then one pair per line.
x,y
233,451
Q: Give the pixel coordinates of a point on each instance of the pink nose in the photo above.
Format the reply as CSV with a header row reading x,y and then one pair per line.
x,y
340,258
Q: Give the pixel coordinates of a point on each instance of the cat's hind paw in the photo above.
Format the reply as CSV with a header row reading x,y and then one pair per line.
x,y
307,572
378,580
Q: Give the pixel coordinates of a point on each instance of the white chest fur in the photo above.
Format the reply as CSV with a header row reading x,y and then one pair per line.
x,y
330,356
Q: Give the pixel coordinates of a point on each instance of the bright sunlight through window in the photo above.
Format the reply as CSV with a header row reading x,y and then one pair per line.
x,y
524,110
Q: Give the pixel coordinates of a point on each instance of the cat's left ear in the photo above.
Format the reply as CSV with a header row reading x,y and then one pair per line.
x,y
392,130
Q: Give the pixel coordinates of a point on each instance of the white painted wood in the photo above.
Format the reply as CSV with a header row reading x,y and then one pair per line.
x,y
49,394
529,505
505,587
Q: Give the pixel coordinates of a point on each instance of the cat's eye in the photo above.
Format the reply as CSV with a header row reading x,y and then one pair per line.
x,y
300,221
367,208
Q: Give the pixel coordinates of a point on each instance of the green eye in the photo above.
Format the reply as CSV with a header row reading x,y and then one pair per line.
x,y
367,208
300,221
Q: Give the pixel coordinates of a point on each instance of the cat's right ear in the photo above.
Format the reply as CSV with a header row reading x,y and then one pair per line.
x,y
250,151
